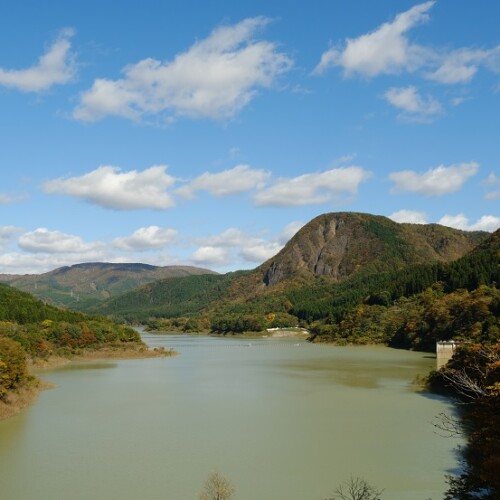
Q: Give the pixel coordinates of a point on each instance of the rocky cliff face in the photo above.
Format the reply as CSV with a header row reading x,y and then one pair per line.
x,y
336,245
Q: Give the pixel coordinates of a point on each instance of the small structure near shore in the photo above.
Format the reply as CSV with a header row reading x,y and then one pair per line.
x,y
444,351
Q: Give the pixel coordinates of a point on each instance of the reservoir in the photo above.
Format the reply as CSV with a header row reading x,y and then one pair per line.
x,y
279,418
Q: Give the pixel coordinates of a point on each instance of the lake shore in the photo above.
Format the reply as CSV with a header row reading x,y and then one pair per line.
x,y
21,398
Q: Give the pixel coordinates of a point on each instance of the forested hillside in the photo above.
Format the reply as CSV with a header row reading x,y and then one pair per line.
x,y
83,286
31,329
169,298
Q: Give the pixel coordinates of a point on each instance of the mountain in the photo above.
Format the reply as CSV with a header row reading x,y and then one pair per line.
x,y
330,258
82,286
338,245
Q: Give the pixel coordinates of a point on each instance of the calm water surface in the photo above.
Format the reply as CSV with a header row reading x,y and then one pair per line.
x,y
281,419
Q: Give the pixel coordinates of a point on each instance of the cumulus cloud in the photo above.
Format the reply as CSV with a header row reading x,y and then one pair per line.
x,y
211,256
250,247
234,245
146,238
232,237
413,105
55,67
492,185
435,181
388,50
488,223
215,78
311,189
28,263
385,50
109,187
44,241
289,231
235,180
7,234
409,216
460,66
260,252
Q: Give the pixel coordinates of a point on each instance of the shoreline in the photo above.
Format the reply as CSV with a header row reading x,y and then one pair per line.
x,y
22,398
25,396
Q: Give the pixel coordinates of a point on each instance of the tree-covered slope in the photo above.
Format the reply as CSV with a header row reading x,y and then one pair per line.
x,y
172,297
82,286
31,328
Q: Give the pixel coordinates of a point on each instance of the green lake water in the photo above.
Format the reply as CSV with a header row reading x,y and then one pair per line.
x,y
280,418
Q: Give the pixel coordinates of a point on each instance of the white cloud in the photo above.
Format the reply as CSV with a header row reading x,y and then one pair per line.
x,y
6,199
311,189
385,50
146,238
259,253
55,67
289,231
7,234
457,101
492,195
109,187
215,78
249,247
460,66
388,50
211,256
412,103
24,263
235,180
232,237
44,241
492,182
234,245
435,181
488,223
409,216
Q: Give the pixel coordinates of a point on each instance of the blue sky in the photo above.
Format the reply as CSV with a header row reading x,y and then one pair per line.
x,y
207,133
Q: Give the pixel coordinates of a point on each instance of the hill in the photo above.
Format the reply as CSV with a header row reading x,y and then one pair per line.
x,y
338,245
168,298
82,286
331,264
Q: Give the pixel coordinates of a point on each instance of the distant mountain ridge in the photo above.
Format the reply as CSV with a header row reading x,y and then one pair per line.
x,y
81,286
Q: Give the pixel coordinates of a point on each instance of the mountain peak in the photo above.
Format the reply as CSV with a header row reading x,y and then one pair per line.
x,y
337,245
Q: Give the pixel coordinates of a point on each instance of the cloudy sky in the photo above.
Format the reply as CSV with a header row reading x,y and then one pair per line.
x,y
207,133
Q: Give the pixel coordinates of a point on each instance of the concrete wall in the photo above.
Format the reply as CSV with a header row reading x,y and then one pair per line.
x,y
444,352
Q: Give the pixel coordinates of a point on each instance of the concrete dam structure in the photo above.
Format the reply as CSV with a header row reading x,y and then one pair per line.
x,y
444,352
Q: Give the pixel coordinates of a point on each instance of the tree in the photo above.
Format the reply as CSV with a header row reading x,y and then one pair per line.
x,y
356,488
216,487
13,368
